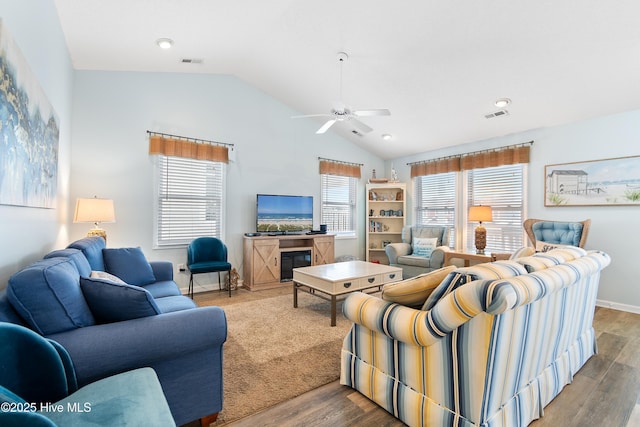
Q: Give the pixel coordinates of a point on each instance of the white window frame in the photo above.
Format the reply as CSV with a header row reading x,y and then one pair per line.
x,y
196,191
505,215
339,192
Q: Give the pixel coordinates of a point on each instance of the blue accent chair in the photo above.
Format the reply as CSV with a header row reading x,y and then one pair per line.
x,y
557,232
38,387
207,255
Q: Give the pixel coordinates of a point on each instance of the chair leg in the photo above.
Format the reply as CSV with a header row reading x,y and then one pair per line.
x,y
209,419
229,282
190,290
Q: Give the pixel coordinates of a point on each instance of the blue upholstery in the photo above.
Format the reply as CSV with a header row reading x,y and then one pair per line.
x,y
91,247
183,344
36,373
129,264
74,255
403,255
207,255
557,232
115,302
47,296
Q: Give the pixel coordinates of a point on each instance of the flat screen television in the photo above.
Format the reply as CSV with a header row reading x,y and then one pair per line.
x,y
283,214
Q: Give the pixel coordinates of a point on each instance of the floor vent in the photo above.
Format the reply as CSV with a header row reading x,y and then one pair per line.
x,y
496,114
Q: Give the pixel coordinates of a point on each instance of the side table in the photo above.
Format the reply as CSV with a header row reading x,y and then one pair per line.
x,y
467,257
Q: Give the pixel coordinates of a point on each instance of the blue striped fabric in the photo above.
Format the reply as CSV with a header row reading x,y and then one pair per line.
x,y
492,352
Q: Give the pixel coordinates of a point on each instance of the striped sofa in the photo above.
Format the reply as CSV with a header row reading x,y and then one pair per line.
x,y
493,345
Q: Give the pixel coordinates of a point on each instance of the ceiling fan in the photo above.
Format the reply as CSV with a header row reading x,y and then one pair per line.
x,y
341,113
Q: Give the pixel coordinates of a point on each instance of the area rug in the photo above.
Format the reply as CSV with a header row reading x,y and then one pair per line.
x,y
275,352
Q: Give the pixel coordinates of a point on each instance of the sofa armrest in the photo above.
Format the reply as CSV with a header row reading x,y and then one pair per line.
x,y
404,324
162,270
103,350
395,250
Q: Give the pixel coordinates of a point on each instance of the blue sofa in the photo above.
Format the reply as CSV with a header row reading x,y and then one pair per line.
x,y
113,311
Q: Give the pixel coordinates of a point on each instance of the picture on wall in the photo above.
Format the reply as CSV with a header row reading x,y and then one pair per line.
x,y
605,182
29,133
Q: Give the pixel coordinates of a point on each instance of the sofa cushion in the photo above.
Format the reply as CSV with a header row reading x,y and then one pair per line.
x,y
48,297
423,246
129,264
416,261
543,260
414,292
522,252
486,271
91,247
174,303
74,255
565,233
114,301
164,288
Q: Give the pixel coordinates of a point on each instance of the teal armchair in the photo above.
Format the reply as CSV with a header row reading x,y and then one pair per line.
x,y
38,387
572,233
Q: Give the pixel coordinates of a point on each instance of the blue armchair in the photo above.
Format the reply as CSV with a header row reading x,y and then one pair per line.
x,y
557,232
38,387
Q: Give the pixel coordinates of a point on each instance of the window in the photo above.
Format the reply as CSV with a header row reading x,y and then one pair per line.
x,y
190,200
502,188
338,204
435,198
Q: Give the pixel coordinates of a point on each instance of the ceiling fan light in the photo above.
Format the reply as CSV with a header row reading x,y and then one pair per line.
x,y
164,43
502,102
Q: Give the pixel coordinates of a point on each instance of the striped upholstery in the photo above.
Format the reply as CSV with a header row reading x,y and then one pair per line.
x,y
492,352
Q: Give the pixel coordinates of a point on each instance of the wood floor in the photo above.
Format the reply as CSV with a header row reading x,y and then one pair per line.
x,y
605,393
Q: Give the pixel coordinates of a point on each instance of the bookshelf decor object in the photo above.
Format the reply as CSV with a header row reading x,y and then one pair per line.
x,y
386,215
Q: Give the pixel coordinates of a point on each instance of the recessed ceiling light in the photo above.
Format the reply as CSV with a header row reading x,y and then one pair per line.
x,y
164,43
502,102
386,136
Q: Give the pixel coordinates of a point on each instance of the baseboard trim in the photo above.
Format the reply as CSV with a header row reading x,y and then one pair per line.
x,y
617,306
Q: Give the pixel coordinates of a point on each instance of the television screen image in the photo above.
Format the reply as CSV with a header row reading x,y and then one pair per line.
x,y
277,213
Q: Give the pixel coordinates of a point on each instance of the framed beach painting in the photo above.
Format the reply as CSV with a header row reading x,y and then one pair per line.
x,y
29,133
607,182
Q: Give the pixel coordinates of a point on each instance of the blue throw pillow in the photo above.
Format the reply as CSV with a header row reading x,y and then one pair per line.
x,y
114,302
129,264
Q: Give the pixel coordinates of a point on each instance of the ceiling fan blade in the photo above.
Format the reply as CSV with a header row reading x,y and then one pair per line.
x,y
360,126
325,127
311,115
374,112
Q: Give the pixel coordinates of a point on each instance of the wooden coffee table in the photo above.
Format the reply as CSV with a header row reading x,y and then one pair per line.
x,y
328,281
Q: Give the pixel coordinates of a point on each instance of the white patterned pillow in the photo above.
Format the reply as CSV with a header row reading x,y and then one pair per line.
x,y
107,276
423,246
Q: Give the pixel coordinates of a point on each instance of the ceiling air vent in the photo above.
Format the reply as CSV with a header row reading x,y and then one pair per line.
x,y
191,61
496,114
355,132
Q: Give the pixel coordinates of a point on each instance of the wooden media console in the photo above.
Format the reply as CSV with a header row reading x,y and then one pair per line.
x,y
262,265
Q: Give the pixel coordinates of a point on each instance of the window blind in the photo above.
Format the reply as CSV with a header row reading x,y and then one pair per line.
x,y
190,200
435,201
502,188
338,203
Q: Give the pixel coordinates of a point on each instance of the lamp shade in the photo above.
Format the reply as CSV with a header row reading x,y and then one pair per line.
x,y
480,213
94,210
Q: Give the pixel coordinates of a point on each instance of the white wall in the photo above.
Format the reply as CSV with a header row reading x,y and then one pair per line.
x,y
614,229
27,233
274,154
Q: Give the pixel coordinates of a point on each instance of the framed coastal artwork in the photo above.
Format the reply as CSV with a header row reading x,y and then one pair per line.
x,y
607,182
29,133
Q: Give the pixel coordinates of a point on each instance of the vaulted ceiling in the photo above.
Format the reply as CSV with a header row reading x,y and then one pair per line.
x,y
438,66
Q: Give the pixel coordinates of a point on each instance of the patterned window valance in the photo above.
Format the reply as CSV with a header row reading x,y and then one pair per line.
x,y
190,148
476,160
336,167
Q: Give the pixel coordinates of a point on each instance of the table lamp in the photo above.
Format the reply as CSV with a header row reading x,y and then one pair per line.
x,y
97,211
480,213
